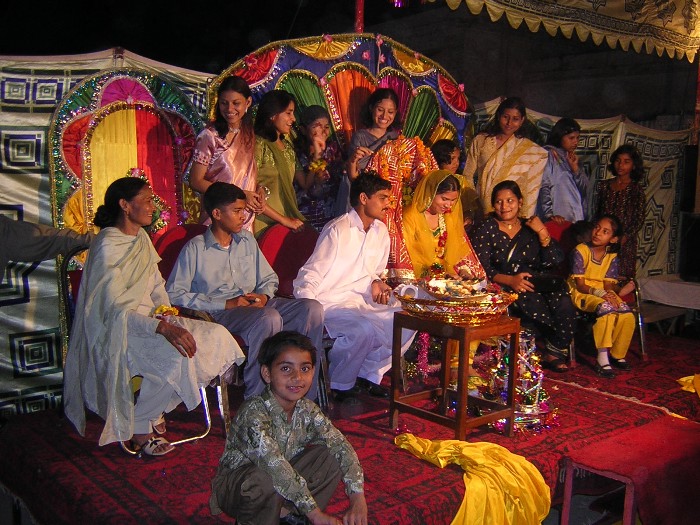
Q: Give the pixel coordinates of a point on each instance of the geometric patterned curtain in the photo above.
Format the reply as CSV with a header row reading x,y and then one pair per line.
x,y
30,90
664,165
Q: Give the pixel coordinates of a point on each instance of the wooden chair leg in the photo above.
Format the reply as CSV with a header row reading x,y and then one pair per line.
x,y
568,492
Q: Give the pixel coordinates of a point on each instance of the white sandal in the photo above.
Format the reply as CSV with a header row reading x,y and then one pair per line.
x,y
158,422
150,446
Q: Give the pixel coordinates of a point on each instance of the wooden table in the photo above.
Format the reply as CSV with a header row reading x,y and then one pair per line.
x,y
463,334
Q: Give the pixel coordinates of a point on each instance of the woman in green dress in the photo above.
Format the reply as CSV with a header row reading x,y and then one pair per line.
x,y
276,160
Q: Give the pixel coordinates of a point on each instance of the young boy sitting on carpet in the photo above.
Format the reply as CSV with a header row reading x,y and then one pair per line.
x,y
283,457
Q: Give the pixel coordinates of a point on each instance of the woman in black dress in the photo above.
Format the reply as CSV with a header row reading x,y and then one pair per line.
x,y
513,251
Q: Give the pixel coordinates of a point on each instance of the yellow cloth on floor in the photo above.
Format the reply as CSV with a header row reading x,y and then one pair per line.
x,y
502,488
690,383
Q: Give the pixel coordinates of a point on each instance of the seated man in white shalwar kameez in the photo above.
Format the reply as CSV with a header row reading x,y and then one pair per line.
x,y
343,274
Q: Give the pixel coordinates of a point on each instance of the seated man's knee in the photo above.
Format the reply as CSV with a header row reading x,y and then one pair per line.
x,y
314,309
270,321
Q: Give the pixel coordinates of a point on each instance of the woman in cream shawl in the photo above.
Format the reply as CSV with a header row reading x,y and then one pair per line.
x,y
503,153
115,335
433,228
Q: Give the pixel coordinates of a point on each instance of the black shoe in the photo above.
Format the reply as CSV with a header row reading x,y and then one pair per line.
x,y
294,519
372,389
622,364
342,395
604,371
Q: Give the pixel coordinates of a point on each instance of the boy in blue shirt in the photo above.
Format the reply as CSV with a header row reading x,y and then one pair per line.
x,y
223,272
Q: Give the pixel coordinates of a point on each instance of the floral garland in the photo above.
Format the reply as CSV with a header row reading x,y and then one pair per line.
x,y
164,311
437,269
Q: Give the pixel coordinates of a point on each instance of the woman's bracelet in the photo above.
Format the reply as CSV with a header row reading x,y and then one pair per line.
x,y
598,292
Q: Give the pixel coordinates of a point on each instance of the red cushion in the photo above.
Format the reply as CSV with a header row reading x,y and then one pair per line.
x,y
287,251
171,242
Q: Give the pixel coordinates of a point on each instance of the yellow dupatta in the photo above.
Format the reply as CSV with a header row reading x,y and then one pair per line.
x,y
501,488
419,238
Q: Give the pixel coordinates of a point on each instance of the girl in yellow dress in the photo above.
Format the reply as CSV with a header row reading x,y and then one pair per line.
x,y
594,277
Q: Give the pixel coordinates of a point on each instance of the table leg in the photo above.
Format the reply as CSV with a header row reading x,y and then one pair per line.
x,y
395,373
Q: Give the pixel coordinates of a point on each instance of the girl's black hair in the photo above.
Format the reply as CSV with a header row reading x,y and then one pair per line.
x,y
618,230
240,86
561,129
272,103
448,184
442,151
494,127
638,170
506,185
374,99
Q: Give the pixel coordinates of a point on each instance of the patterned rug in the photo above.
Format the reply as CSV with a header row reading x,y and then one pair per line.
x,y
63,478
652,381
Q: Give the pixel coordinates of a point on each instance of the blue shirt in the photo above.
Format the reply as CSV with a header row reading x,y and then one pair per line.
x,y
206,274
563,192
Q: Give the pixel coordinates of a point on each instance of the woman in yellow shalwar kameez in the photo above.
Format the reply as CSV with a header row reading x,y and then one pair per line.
x,y
594,275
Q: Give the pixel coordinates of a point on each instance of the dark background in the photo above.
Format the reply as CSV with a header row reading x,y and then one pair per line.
x,y
203,36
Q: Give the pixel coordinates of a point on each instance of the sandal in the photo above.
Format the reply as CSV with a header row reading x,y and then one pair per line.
x,y
604,371
150,447
554,363
622,364
159,425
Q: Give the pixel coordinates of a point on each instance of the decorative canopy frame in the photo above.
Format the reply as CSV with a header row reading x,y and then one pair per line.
x,y
339,72
116,123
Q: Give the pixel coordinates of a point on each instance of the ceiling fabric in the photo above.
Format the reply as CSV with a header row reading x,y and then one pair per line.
x,y
663,26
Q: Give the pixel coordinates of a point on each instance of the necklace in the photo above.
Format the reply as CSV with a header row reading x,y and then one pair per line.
x,y
508,225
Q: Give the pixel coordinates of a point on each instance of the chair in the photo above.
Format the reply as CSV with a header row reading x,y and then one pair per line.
x,y
564,235
168,247
287,251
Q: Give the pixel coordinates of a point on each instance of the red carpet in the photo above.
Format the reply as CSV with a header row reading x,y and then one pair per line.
x,y
63,478
652,381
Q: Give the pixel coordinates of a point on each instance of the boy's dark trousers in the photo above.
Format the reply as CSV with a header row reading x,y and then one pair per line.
x,y
247,493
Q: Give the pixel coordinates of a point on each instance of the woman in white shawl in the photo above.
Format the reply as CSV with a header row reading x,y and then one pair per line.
x,y
115,335
501,153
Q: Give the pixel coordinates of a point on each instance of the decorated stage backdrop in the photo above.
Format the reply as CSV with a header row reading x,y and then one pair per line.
x,y
31,88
